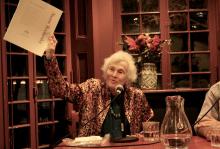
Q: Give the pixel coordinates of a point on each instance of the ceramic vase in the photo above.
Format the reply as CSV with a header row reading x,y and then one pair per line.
x,y
148,76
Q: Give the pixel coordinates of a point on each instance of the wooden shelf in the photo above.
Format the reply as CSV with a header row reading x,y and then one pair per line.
x,y
178,90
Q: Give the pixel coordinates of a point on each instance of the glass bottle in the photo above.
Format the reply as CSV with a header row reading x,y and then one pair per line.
x,y
176,131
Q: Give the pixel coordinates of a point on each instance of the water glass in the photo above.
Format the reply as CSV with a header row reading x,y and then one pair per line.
x,y
151,131
215,137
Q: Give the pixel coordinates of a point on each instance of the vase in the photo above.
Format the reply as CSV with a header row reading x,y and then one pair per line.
x,y
148,76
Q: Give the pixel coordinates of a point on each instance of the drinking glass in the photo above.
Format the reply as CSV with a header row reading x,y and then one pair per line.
x,y
151,131
215,137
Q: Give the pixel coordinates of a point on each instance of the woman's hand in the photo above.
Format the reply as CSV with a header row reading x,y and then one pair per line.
x,y
50,51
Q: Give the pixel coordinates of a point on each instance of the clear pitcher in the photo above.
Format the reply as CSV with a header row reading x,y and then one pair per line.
x,y
176,131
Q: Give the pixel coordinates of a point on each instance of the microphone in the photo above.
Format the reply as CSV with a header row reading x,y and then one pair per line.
x,y
117,138
206,112
119,89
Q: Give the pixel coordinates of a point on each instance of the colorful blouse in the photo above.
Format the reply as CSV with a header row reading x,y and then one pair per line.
x,y
92,96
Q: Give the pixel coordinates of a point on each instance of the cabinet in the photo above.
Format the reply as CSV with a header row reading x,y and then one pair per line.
x,y
191,60
32,118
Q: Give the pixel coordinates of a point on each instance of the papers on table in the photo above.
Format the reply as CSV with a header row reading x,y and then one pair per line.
x,y
32,23
84,141
88,139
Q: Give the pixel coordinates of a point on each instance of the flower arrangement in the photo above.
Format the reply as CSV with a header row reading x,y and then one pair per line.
x,y
146,47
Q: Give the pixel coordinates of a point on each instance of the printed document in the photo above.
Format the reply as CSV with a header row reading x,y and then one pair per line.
x,y
31,25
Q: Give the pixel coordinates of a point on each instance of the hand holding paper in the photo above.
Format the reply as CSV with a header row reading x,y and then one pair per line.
x,y
50,50
32,24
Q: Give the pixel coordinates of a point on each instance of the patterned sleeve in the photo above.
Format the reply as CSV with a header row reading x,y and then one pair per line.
x,y
58,87
146,109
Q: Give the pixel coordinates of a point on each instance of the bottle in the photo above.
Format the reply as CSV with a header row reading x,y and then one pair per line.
x,y
176,131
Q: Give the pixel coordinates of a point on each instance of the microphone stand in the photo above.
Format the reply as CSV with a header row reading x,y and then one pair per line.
x,y
90,120
123,138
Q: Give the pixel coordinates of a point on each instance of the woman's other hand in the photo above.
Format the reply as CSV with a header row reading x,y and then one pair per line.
x,y
50,50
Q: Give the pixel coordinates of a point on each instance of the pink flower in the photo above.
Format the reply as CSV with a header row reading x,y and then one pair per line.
x,y
156,41
153,43
131,43
141,39
148,48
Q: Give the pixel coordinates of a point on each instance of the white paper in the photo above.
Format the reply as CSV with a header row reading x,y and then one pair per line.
x,y
32,23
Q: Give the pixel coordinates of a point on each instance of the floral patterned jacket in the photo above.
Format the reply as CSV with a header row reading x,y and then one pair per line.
x,y
92,96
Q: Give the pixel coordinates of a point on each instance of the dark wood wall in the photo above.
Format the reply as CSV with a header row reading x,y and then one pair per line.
x,y
218,34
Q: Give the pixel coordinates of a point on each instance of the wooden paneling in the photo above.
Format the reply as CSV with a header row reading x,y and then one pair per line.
x,y
104,32
27,108
1,89
218,36
82,39
83,65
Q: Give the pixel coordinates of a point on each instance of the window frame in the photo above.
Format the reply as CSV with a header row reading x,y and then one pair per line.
x,y
164,30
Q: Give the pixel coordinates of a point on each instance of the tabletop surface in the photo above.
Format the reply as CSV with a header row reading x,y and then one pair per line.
x,y
196,142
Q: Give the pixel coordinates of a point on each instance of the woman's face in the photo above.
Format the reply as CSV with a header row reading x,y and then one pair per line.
x,y
116,74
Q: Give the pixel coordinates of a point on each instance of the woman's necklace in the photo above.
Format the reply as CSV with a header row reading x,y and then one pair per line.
x,y
115,114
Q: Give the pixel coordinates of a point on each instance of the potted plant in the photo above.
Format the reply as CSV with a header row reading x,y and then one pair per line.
x,y
147,52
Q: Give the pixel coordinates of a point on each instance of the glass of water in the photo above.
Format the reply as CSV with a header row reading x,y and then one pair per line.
x,y
151,131
215,137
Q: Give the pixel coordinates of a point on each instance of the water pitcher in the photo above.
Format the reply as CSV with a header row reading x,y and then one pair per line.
x,y
176,131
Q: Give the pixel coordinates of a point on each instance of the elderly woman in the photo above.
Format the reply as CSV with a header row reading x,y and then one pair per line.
x,y
100,112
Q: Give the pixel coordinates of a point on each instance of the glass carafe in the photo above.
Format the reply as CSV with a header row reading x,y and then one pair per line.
x,y
176,131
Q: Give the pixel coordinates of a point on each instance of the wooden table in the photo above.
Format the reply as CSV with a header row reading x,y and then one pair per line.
x,y
195,143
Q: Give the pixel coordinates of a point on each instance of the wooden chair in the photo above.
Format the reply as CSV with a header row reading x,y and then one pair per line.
x,y
74,123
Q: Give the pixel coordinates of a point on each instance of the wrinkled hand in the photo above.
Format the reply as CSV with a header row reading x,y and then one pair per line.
x,y
206,125
50,50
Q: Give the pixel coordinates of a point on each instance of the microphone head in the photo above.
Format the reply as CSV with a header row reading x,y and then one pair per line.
x,y
119,88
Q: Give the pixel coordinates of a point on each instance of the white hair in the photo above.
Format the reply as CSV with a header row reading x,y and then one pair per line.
x,y
120,56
